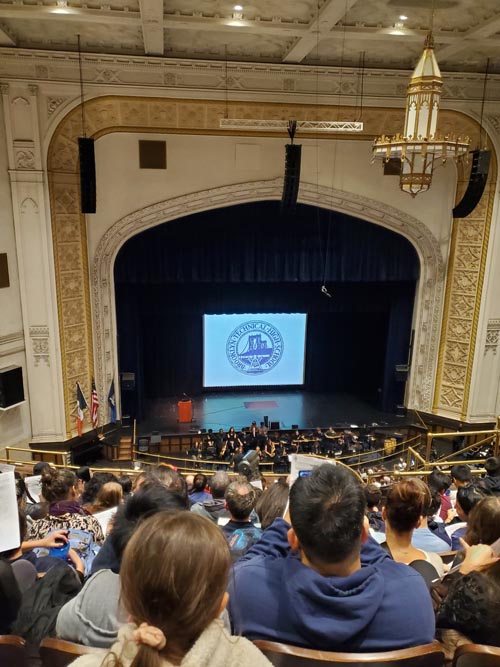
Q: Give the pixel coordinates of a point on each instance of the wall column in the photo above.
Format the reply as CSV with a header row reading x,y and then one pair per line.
x,y
35,265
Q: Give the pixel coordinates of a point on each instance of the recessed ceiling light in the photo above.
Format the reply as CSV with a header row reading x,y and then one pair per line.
x,y
403,17
238,8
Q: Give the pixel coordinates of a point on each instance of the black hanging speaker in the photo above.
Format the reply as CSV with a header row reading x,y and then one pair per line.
x,y
477,183
292,176
11,386
87,175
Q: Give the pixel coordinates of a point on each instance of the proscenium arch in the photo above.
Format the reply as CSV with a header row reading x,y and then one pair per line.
x,y
107,114
428,302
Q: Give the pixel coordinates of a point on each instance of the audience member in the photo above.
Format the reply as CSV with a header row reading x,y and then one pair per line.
x,y
10,597
84,475
471,603
441,482
406,506
43,563
467,498
93,617
240,531
59,490
125,482
92,487
169,478
198,493
431,535
272,503
40,467
373,496
174,605
461,475
491,481
214,509
483,526
323,583
434,522
109,495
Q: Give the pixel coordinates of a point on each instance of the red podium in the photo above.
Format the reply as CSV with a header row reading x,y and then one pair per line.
x,y
184,411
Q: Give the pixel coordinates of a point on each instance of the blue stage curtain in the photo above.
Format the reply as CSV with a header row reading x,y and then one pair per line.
x,y
248,259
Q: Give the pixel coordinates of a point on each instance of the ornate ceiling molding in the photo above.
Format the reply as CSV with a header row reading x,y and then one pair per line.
x,y
199,78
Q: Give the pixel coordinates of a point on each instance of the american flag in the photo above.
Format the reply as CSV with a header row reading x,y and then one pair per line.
x,y
94,406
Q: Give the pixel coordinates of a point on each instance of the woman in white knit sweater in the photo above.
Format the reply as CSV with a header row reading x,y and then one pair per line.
x,y
173,586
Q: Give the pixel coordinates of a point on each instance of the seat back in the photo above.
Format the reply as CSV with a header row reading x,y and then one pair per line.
x,y
59,653
283,655
477,655
12,651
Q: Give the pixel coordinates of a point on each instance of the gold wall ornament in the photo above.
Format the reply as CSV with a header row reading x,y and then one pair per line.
x,y
464,285
420,146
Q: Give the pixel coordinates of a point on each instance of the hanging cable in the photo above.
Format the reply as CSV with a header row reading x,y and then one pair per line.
x,y
82,101
226,112
482,131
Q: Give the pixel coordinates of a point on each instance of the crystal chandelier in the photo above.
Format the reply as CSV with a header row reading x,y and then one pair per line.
x,y
419,147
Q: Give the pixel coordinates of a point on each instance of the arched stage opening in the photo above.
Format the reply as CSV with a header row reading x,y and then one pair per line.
x,y
247,258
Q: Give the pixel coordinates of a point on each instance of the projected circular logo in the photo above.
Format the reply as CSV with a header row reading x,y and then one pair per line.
x,y
254,347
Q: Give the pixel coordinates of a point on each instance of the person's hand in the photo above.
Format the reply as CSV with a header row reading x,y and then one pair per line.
x,y
451,514
476,557
76,561
55,539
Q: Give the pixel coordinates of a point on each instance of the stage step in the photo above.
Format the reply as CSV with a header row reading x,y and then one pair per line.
x,y
125,449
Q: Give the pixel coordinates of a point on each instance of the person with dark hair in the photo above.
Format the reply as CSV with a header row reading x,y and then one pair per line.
x,y
323,583
126,483
65,512
83,475
198,493
491,481
10,597
240,532
461,475
40,467
441,482
470,597
467,498
272,503
407,503
373,496
434,523
215,508
93,617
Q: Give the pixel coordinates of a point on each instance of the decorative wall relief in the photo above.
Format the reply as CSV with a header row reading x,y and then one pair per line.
x,y
39,336
492,336
466,267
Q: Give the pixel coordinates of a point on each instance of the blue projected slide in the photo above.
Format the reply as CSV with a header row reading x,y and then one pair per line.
x,y
254,349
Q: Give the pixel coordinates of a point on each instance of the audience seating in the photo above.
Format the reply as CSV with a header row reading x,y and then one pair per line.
x,y
59,653
477,655
12,651
283,655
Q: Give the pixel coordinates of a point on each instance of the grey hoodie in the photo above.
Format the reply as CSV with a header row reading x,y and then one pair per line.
x,y
93,617
214,509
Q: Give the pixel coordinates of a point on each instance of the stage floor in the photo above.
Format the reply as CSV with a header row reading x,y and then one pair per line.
x,y
240,409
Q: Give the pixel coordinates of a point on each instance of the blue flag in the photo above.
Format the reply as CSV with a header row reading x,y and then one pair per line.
x,y
112,402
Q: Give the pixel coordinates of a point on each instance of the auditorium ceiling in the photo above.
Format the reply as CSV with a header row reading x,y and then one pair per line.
x,y
390,33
